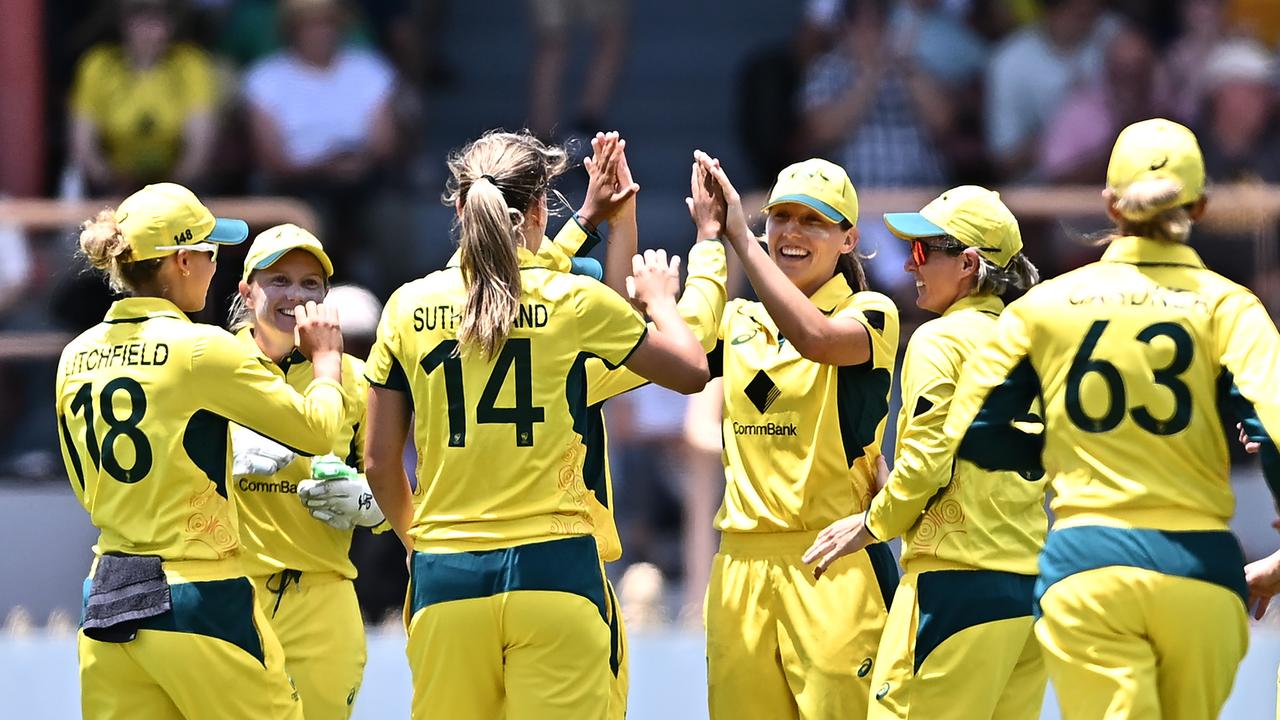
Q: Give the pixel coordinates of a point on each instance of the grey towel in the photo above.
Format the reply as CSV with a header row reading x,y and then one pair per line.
x,y
125,590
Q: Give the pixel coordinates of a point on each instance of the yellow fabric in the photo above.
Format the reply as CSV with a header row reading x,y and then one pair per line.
x,y
162,218
272,243
317,620
508,451
1124,642
952,513
1193,319
276,529
184,676
1158,149
991,670
817,180
140,114
782,645
973,215
787,466
519,655
153,467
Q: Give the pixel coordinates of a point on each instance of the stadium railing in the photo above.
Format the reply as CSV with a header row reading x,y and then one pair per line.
x,y
1248,209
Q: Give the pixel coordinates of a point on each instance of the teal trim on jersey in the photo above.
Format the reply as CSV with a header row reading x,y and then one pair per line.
x,y
205,441
615,629
571,565
885,568
953,600
593,238
992,442
1234,404
639,341
72,452
862,401
396,379
588,423
1210,555
220,609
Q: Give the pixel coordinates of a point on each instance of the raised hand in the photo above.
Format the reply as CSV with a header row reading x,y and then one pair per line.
x,y
653,279
316,329
606,190
706,202
736,229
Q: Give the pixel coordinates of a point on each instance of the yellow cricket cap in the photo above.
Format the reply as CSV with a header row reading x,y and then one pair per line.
x,y
161,219
971,214
819,184
1158,149
271,244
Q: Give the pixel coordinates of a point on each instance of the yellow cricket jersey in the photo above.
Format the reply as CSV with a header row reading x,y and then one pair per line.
x,y
504,438
952,513
143,400
141,115
276,529
801,438
1132,356
701,305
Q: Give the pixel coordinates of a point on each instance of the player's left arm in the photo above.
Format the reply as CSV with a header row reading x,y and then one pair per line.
x,y
1248,347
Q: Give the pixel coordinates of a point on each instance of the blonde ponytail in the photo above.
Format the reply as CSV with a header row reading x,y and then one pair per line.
x,y
494,182
1144,211
104,246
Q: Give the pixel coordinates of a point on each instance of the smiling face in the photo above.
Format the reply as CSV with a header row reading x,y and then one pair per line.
x,y
272,293
806,245
945,276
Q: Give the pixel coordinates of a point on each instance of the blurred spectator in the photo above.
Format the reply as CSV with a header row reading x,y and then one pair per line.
x,y
1259,18
937,41
870,108
1202,29
251,30
1077,143
143,110
321,119
875,113
1241,132
1032,73
554,21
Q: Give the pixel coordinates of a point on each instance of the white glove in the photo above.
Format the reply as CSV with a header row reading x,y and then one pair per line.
x,y
342,504
253,454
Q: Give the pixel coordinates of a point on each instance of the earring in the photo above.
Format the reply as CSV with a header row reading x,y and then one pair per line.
x,y
186,273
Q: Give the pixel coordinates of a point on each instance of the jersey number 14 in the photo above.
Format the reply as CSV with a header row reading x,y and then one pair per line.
x,y
515,354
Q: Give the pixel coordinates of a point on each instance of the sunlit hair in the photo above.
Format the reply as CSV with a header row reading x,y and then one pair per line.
x,y
495,179
103,244
1144,211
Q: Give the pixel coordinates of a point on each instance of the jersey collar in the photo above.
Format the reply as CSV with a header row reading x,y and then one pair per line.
x,y
245,335
523,256
982,303
138,309
832,293
1145,251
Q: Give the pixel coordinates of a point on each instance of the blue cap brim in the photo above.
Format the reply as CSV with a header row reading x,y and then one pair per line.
x,y
227,231
827,211
586,266
911,225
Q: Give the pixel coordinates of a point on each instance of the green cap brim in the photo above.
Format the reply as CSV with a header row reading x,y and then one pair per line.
x,y
827,211
909,226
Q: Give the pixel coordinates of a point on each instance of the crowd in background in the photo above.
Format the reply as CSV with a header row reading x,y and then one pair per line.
x,y
334,103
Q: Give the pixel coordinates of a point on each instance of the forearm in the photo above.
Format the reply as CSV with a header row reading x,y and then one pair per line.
x,y
624,238
390,487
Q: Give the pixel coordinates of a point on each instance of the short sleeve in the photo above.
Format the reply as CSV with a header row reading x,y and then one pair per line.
x,y
383,368
880,316
608,327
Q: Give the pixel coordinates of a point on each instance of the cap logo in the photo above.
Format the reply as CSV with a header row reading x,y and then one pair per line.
x,y
182,237
1157,165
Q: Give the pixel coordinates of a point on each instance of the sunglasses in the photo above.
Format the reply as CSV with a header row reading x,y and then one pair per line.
x,y
205,247
920,249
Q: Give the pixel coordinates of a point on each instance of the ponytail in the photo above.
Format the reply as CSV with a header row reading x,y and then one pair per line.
x,y
103,244
1144,211
490,269
494,182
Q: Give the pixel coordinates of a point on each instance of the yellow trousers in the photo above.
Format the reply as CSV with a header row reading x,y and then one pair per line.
x,y
619,660
783,645
518,633
1141,624
317,619
959,646
213,656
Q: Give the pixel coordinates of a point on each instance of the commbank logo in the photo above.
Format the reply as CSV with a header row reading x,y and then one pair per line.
x,y
762,391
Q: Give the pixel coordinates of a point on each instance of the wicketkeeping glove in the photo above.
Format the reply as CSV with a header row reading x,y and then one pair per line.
x,y
253,454
339,496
